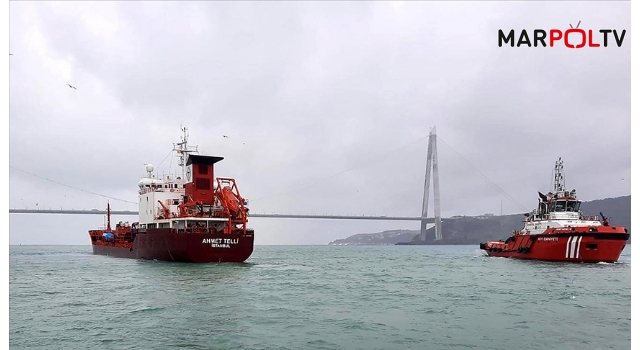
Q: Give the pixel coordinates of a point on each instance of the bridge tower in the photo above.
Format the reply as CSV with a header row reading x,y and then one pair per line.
x,y
432,163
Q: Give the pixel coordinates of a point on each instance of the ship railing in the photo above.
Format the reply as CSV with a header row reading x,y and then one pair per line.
x,y
193,229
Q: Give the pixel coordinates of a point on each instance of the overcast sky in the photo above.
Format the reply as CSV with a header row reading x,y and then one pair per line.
x,y
327,107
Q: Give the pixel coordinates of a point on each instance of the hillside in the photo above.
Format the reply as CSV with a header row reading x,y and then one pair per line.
x,y
381,238
476,229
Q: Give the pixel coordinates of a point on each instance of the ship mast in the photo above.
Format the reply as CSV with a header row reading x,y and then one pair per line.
x,y
183,149
558,174
108,217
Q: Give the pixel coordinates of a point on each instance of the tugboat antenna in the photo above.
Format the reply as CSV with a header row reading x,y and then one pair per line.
x,y
558,175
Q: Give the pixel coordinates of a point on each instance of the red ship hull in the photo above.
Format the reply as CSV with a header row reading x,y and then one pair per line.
x,y
563,246
195,217
165,245
557,230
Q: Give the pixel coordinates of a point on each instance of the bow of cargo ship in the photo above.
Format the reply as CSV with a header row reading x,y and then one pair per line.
x,y
559,231
191,217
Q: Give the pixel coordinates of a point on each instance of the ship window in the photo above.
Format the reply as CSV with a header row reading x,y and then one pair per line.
x,y
572,206
560,206
203,184
592,246
203,169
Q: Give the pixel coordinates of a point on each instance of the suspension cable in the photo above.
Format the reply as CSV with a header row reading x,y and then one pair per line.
x,y
75,188
486,178
363,164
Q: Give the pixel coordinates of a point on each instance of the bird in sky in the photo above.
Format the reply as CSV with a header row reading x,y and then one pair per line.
x,y
73,87
225,136
10,54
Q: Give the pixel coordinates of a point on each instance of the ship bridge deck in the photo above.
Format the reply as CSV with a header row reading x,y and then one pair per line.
x,y
183,222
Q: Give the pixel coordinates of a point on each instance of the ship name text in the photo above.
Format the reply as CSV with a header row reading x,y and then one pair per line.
x,y
220,242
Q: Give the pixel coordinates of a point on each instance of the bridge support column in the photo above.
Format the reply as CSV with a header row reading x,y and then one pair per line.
x,y
432,163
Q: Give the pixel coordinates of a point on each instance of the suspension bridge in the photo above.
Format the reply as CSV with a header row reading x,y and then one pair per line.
x,y
278,216
430,173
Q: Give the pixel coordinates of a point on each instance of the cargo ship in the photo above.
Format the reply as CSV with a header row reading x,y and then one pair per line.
x,y
559,231
193,217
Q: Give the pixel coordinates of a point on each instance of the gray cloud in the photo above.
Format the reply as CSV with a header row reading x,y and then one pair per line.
x,y
306,91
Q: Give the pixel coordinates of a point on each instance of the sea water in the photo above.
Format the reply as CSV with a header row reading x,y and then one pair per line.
x,y
317,297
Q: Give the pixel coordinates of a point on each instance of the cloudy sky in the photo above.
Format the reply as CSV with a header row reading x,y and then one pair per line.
x,y
327,107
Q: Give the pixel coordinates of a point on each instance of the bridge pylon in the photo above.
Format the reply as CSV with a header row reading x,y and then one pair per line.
x,y
432,163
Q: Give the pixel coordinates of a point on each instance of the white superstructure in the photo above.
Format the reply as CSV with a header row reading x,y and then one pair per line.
x,y
160,198
560,208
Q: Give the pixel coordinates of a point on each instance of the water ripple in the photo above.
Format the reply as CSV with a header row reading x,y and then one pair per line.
x,y
433,297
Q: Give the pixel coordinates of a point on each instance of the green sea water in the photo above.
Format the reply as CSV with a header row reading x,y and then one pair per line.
x,y
317,297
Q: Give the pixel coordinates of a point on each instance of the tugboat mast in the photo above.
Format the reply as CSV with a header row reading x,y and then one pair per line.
x,y
558,174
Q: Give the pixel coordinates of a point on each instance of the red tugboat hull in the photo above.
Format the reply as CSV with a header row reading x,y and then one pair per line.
x,y
559,231
164,245
562,246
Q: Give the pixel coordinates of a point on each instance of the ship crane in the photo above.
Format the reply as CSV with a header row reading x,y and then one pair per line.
x,y
165,210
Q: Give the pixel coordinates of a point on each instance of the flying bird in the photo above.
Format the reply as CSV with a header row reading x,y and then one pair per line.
x,y
73,87
225,136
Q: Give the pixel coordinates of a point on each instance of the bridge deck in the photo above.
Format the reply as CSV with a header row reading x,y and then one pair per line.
x,y
251,215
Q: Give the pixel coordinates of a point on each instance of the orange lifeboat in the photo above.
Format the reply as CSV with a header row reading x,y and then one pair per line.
x,y
230,200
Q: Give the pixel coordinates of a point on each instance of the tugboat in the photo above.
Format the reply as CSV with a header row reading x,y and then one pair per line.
x,y
559,231
190,218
